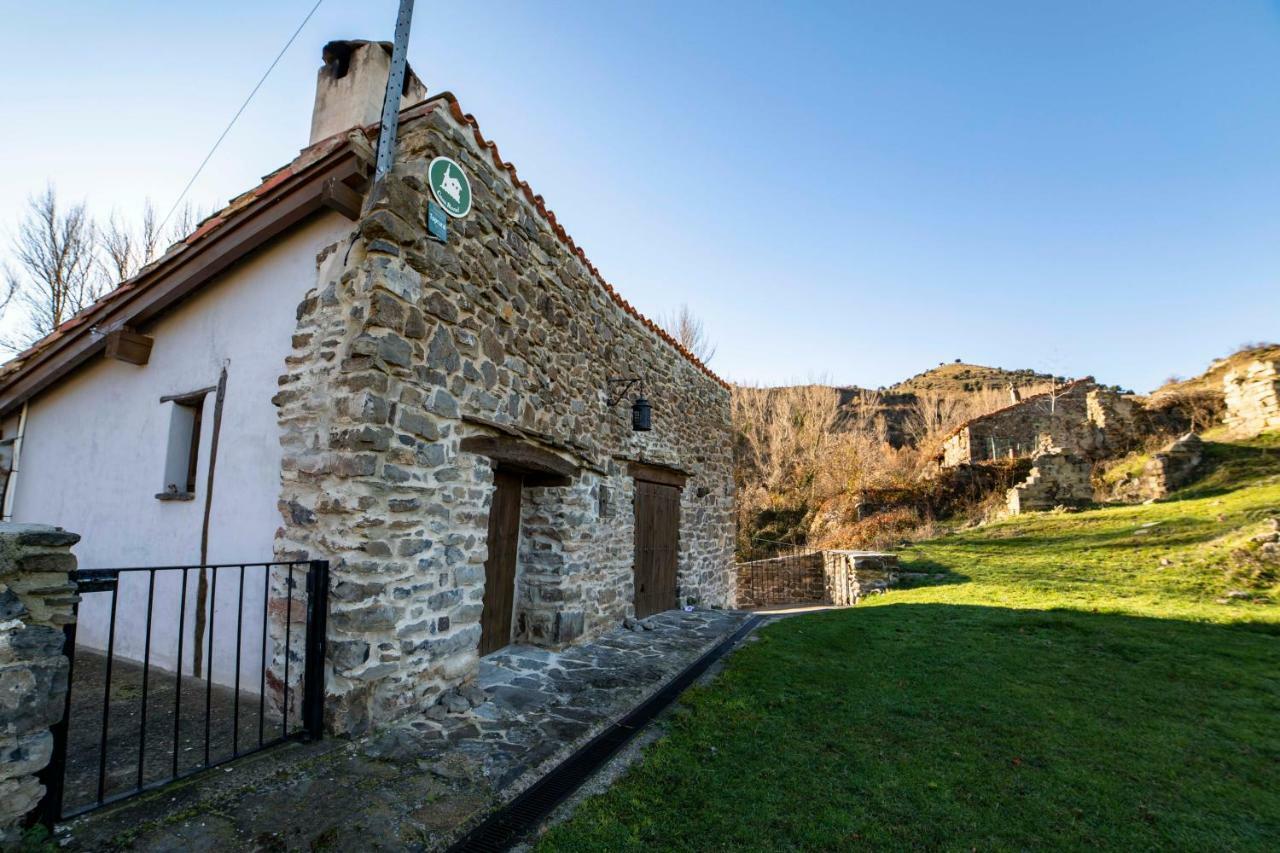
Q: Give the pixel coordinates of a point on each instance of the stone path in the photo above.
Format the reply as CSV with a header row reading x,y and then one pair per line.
x,y
124,740
418,784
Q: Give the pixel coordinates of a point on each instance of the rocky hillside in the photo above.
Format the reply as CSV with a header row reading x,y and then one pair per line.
x,y
1210,382
960,377
899,403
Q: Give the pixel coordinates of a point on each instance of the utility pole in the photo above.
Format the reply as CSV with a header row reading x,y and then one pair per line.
x,y
395,85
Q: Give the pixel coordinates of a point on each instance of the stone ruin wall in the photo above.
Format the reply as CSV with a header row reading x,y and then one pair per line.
x,y
1252,397
37,600
1168,470
1059,478
406,347
1084,419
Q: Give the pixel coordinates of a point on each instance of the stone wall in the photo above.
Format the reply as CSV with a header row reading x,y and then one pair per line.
x,y
1058,479
36,601
1167,471
1252,396
852,575
409,346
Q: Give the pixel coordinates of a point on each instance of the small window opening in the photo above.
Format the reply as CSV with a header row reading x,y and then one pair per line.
x,y
183,452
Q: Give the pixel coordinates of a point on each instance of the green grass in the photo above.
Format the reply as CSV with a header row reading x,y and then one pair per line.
x,y
1076,681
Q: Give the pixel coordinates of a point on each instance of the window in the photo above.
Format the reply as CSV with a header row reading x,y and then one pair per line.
x,y
183,452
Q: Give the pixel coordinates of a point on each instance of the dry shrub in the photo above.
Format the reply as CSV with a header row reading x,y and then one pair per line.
x,y
802,464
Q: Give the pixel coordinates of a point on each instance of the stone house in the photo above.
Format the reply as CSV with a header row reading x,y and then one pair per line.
x,y
448,422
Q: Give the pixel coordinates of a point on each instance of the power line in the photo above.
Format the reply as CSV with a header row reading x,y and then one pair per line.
x,y
231,124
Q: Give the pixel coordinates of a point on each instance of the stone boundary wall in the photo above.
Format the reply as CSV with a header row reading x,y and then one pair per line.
x,y
1058,479
1252,397
36,601
407,347
852,575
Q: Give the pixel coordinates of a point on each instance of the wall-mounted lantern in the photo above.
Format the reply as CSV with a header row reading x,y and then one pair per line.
x,y
641,411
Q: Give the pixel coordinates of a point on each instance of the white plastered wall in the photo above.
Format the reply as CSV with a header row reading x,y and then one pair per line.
x,y
93,457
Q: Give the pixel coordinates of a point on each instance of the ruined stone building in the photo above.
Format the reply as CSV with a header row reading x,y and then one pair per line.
x,y
1252,397
1080,417
458,425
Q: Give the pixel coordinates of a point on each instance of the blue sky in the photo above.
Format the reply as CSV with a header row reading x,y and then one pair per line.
x,y
851,191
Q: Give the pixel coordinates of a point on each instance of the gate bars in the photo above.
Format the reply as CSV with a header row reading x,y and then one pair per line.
x,y
307,723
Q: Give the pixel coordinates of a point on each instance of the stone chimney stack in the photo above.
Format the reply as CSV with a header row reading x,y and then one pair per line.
x,y
351,84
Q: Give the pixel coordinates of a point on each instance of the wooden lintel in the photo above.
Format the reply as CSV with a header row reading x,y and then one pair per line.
x,y
541,467
505,429
661,474
339,197
128,346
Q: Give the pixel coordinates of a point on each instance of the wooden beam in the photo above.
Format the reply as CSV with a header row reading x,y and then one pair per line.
x,y
129,346
541,467
340,198
660,474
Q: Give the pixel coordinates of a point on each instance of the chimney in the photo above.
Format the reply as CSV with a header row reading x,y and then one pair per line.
x,y
351,84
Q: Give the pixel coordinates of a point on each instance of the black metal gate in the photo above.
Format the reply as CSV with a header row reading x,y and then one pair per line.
x,y
792,574
159,690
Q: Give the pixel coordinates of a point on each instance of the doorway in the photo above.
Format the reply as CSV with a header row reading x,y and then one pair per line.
x,y
657,547
500,567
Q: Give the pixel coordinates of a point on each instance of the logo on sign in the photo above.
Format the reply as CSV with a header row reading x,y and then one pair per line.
x,y
450,186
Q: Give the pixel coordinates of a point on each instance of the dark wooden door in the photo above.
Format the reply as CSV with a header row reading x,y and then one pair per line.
x,y
500,567
657,546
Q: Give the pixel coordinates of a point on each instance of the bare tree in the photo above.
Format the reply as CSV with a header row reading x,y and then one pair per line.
x,y
149,236
688,330
122,250
56,252
182,222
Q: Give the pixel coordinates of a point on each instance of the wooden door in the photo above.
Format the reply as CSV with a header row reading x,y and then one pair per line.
x,y
657,547
500,567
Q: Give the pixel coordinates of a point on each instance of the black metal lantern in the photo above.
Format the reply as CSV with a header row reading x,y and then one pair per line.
x,y
641,411
641,415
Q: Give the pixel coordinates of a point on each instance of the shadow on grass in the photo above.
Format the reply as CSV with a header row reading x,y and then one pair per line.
x,y
934,726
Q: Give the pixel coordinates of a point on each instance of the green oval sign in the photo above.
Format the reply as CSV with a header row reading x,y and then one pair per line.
x,y
450,186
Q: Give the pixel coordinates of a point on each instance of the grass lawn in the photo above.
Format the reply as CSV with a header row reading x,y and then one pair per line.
x,y
1076,681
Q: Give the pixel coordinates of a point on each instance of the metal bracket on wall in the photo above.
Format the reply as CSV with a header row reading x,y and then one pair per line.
x,y
627,383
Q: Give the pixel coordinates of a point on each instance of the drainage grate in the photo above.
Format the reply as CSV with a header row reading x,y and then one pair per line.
x,y
523,814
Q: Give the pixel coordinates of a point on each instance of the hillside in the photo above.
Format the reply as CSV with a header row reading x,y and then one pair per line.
x,y
960,377
1211,380
1107,679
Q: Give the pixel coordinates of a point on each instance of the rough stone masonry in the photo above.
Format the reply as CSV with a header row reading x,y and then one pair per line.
x,y
1252,397
406,348
36,601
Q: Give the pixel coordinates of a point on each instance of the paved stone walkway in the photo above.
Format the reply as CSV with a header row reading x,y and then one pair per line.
x,y
416,785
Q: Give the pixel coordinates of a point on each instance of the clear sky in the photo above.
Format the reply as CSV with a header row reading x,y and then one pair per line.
x,y
852,191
